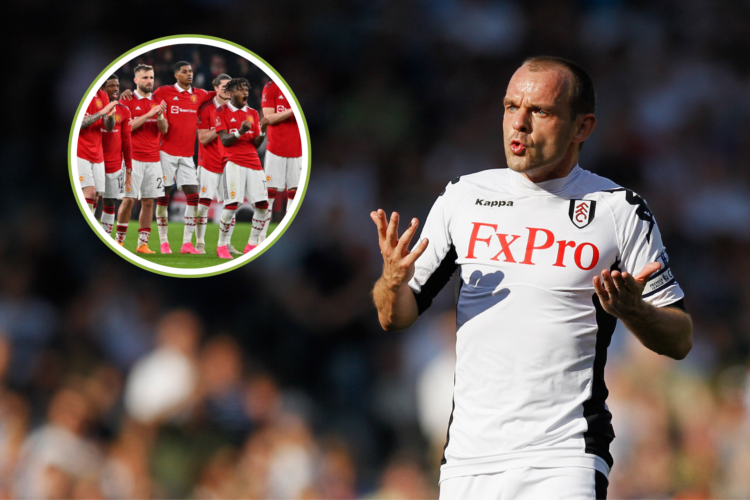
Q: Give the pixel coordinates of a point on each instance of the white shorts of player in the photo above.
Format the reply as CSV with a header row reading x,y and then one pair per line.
x,y
282,173
178,168
241,183
524,483
114,184
209,184
146,180
91,174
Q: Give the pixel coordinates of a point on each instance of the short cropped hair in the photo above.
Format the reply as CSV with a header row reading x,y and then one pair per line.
x,y
142,67
582,93
217,81
236,83
178,66
112,77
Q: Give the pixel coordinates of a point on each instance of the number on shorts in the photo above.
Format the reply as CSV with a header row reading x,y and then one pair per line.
x,y
119,183
158,183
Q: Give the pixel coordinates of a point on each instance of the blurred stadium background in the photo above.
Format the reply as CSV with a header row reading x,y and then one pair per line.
x,y
274,381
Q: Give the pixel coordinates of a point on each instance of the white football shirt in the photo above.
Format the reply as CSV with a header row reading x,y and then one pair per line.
x,y
531,336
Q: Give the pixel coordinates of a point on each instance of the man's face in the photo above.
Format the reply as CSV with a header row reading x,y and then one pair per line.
x,y
537,125
145,81
221,90
184,76
112,88
239,96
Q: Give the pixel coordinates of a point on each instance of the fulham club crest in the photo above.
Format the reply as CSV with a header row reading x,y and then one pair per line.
x,y
581,212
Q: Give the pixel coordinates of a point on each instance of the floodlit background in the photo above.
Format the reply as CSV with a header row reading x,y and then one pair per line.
x,y
274,381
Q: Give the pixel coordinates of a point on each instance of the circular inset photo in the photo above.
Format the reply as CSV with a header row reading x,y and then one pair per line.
x,y
189,156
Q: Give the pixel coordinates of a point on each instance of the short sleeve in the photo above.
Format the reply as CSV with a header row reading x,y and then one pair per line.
x,y
204,118
640,244
219,121
437,264
256,124
267,100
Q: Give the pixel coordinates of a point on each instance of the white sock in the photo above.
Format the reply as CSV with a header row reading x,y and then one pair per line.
x,y
224,226
259,222
143,234
231,230
162,214
269,213
187,235
108,220
201,220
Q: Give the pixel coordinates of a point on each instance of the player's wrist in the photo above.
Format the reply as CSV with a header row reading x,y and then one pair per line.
x,y
238,134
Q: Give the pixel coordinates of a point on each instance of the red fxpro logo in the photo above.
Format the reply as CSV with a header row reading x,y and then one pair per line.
x,y
585,255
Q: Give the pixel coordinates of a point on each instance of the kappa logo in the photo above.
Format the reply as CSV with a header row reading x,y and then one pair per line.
x,y
581,212
493,203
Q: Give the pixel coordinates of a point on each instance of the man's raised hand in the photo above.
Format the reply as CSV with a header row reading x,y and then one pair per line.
x,y
398,261
620,293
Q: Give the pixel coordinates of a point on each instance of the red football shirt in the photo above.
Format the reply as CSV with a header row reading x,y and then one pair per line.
x,y
283,138
243,151
145,139
90,138
116,144
212,156
182,115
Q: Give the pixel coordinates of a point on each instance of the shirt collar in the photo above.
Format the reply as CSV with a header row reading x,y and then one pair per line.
x,y
236,109
552,186
180,89
139,96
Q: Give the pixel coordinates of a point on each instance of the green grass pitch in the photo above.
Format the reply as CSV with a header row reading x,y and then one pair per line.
x,y
176,259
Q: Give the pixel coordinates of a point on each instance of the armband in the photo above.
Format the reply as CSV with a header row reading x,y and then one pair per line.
x,y
237,134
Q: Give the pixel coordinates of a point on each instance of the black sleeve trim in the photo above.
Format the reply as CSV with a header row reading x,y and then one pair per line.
x,y
437,280
680,304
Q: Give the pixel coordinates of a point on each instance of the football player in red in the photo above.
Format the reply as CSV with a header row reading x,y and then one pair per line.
x,y
90,159
177,149
146,181
284,149
211,161
117,153
241,133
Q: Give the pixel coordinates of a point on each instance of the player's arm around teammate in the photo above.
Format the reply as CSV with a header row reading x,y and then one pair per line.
x,y
394,300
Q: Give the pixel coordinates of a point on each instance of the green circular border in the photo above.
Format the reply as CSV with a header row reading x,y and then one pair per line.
x,y
84,210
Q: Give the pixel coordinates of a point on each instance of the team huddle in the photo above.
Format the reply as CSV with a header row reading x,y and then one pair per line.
x,y
141,145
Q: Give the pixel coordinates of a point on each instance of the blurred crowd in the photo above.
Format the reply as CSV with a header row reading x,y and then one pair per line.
x,y
275,381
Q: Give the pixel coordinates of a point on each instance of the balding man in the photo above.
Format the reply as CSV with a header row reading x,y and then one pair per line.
x,y
549,256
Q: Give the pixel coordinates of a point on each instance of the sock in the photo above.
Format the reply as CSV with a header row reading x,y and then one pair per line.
x,y
92,204
290,194
162,214
192,203
259,222
201,220
96,203
225,224
122,231
231,231
272,193
108,218
143,234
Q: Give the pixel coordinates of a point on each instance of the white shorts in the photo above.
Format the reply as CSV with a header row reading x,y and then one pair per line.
x,y
241,183
91,174
282,173
146,180
178,168
528,483
210,184
114,184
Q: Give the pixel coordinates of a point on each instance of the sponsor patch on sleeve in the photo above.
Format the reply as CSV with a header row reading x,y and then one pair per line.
x,y
660,279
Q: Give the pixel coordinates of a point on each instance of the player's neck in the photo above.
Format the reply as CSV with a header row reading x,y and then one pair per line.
x,y
221,101
144,95
558,171
238,106
183,87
